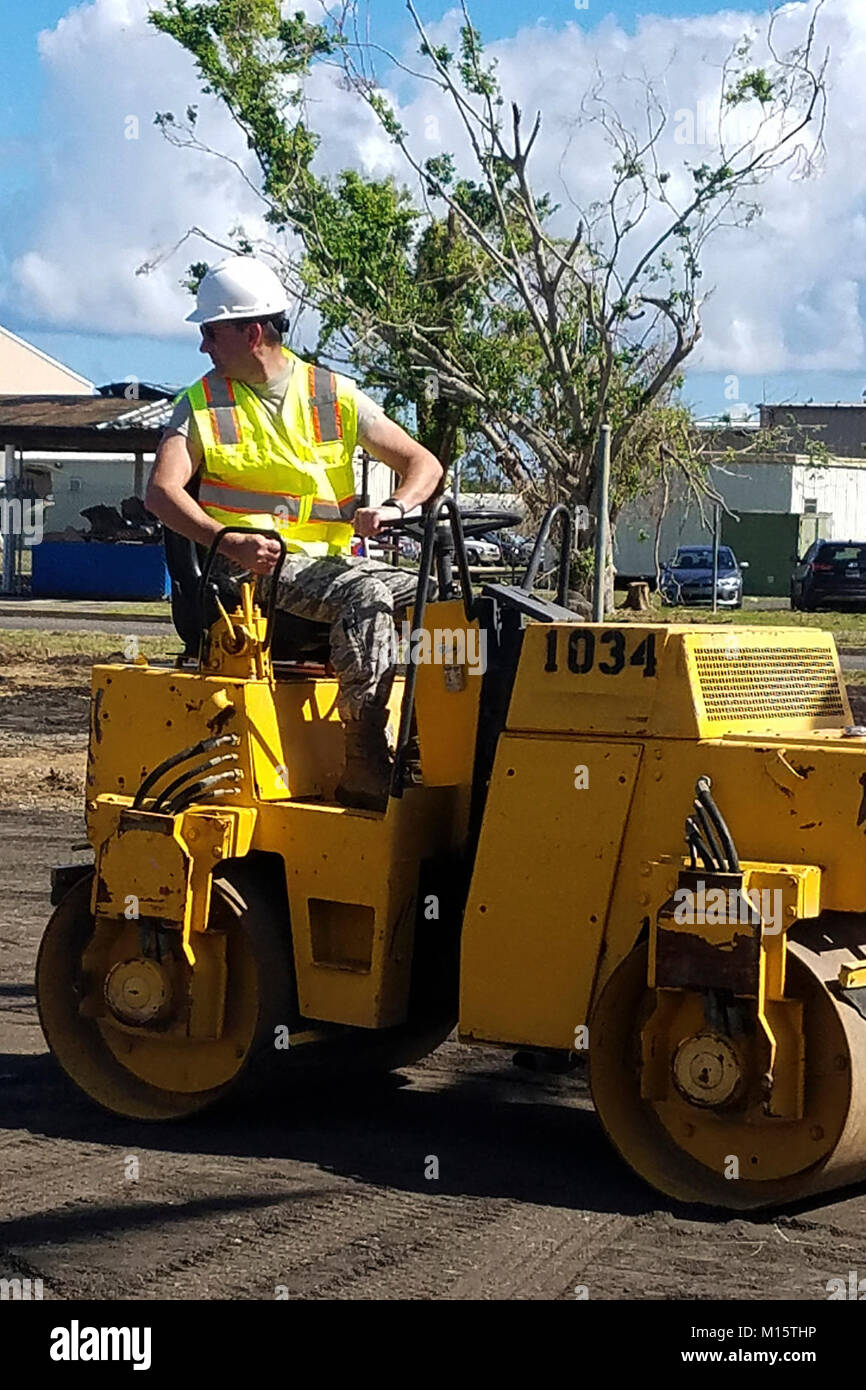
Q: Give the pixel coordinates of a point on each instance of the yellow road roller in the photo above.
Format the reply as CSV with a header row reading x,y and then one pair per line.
x,y
639,845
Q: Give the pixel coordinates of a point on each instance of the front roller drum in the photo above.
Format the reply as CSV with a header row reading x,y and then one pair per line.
x,y
124,1059
702,1143
133,1059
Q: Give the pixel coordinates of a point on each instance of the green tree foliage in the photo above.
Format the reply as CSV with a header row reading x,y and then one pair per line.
x,y
505,338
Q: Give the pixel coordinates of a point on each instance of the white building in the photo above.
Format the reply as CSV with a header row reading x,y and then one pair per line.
x,y
781,501
25,370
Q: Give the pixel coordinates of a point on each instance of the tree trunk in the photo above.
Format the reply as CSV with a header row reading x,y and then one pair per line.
x,y
438,428
638,596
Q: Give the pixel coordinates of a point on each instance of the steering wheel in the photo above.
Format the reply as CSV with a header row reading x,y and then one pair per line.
x,y
474,520
205,577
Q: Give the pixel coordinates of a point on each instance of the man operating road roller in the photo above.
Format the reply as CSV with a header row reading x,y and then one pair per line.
x,y
271,439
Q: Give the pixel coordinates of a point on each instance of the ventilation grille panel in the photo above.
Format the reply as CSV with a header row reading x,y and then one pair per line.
x,y
761,683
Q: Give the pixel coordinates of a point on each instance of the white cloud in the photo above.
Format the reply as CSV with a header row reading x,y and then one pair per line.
x,y
788,289
117,194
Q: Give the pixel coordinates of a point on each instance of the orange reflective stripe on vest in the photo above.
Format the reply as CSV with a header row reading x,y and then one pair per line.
x,y
282,504
236,499
222,409
324,405
337,511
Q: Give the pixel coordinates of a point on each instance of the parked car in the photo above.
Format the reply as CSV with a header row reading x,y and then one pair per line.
x,y
383,546
379,547
829,574
409,548
482,552
688,577
516,550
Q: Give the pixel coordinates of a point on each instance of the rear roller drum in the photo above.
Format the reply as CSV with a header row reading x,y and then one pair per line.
x,y
709,1140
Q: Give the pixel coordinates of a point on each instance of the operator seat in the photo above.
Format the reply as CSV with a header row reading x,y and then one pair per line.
x,y
294,639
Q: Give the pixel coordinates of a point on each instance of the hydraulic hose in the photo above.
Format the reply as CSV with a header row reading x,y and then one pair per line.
x,y
175,786
194,792
710,835
167,764
705,797
697,846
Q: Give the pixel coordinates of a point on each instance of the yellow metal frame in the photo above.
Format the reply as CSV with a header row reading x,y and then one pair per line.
x,y
351,876
566,878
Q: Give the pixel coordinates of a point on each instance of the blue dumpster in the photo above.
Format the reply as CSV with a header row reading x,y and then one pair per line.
x,y
96,569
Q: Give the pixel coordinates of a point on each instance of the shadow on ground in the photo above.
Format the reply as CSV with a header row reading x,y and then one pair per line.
x,y
497,1133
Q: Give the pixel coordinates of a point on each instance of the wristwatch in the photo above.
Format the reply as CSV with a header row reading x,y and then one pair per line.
x,y
395,502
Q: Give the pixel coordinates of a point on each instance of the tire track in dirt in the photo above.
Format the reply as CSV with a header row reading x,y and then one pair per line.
x,y
670,1258
540,1253
313,1248
371,1244
90,1231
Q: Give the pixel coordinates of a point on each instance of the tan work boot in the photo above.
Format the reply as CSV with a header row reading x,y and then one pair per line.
x,y
366,778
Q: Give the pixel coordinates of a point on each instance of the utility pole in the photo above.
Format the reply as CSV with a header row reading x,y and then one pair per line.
x,y
601,526
715,557
364,499
9,539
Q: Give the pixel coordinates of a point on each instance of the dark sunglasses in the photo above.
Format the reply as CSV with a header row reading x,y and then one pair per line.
x,y
208,330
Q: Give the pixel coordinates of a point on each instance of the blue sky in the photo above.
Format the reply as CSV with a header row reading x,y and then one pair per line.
x,y
29,131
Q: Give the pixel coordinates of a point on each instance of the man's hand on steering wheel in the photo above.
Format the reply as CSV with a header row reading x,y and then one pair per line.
x,y
253,552
369,521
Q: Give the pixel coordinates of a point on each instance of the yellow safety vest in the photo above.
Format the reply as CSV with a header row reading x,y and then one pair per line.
x,y
294,474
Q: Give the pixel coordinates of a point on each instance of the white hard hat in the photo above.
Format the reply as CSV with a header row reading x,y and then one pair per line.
x,y
240,287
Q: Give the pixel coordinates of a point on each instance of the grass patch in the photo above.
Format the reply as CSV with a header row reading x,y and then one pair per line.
x,y
87,647
148,608
849,629
158,607
104,608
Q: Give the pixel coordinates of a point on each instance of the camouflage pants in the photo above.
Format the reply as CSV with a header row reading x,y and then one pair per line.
x,y
357,598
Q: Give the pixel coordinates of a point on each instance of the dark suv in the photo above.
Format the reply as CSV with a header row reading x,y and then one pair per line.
x,y
830,573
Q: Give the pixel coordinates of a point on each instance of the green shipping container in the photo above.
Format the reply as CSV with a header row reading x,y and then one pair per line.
x,y
771,542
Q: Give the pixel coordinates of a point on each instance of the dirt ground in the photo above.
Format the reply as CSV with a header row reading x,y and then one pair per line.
x,y
328,1198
